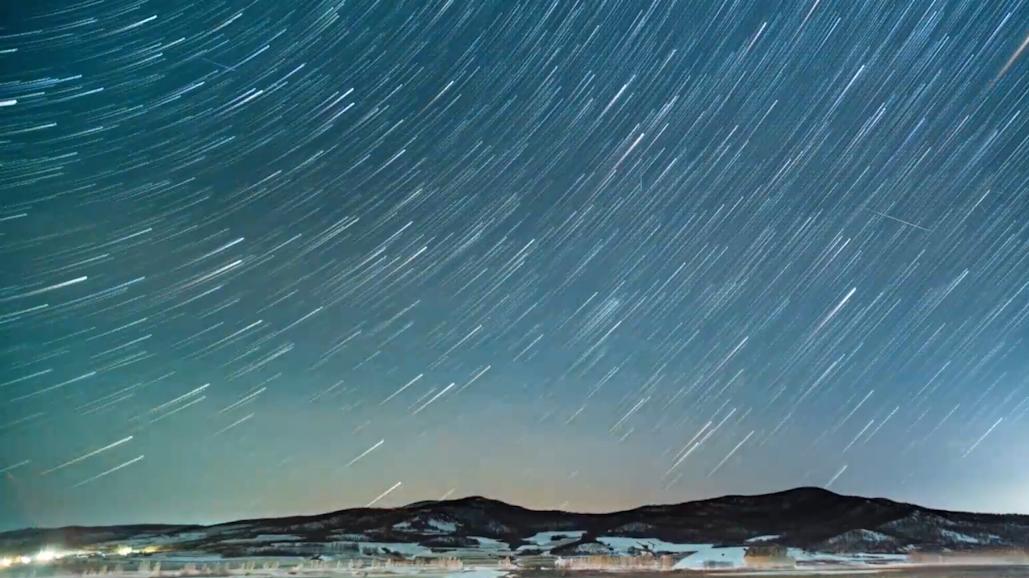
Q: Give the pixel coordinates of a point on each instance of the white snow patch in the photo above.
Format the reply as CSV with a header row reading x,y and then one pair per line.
x,y
858,558
477,573
959,537
623,545
553,538
861,535
765,538
490,543
442,526
545,541
181,537
339,537
403,548
873,536
591,549
262,538
187,557
730,557
140,542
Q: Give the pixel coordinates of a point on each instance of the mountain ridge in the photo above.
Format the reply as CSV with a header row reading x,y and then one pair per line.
x,y
803,517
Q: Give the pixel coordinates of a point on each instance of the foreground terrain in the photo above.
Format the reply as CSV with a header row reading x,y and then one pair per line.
x,y
805,529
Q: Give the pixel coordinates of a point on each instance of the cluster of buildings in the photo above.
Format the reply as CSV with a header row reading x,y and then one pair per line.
x,y
51,555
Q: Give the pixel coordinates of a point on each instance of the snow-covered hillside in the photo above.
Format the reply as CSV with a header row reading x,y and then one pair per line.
x,y
709,533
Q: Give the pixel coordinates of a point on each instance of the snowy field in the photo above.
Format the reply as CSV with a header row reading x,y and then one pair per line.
x,y
909,571
894,571
281,572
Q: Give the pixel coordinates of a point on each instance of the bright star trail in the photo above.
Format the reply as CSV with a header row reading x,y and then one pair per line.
x,y
312,255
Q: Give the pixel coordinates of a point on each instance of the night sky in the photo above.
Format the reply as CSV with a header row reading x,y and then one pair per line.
x,y
273,257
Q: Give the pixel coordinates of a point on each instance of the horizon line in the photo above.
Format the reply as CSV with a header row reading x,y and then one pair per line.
x,y
479,496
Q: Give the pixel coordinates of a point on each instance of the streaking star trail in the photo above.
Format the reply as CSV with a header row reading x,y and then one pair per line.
x,y
558,253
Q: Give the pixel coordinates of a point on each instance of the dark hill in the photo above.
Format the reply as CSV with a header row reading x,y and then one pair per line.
x,y
811,518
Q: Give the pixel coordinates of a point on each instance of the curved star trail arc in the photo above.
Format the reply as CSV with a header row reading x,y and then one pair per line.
x,y
307,255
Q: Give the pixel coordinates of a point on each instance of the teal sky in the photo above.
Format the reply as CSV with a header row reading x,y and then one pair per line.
x,y
276,257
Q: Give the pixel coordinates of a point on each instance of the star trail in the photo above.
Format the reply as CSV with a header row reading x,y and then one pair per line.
x,y
271,257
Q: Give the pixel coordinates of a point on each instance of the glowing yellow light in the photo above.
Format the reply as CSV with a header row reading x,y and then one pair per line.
x,y
25,559
46,556
5,562
124,550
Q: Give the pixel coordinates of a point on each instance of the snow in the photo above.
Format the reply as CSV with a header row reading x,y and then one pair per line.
x,y
158,539
731,557
860,535
477,573
189,535
765,538
805,556
261,538
547,538
443,526
959,537
592,549
545,541
856,559
237,567
407,549
187,557
873,536
490,543
342,537
227,528
622,545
